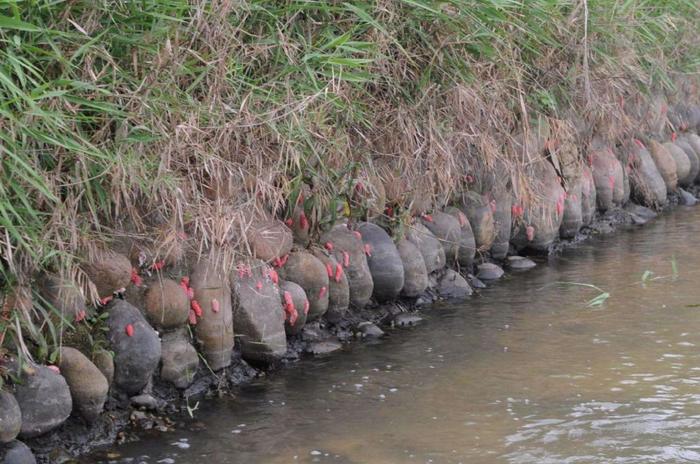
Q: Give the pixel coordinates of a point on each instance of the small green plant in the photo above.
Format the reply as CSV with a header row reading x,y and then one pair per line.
x,y
597,300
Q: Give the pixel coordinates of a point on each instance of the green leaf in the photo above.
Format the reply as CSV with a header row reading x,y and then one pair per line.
x,y
7,22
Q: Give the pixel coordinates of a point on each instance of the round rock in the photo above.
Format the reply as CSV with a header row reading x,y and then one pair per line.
x,y
167,304
429,246
520,263
109,271
384,262
448,231
16,452
453,286
294,311
307,271
10,417
489,271
104,361
45,401
338,286
270,239
136,347
414,272
88,386
179,359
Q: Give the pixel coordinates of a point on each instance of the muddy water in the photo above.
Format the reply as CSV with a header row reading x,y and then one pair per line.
x,y
523,373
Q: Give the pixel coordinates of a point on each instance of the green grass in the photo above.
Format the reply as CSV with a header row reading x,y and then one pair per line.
x,y
115,115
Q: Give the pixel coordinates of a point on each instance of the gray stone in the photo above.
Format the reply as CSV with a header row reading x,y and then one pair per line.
x,y
258,314
489,271
384,262
338,286
179,359
414,272
135,345
639,214
475,282
428,245
448,231
10,417
323,347
63,296
687,198
520,263
146,401
309,273
453,286
294,314
467,243
88,386
369,329
407,319
44,399
16,452
105,363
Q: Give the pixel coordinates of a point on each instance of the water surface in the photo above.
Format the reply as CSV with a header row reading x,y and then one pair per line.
x,y
525,372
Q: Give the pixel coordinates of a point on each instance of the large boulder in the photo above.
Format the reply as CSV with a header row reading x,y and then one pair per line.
x,y
429,246
301,227
338,286
258,314
572,219
10,417
414,271
44,399
480,216
167,304
269,239
608,176
666,165
212,298
588,195
681,161
179,359
694,159
294,301
304,269
647,184
63,296
109,271
542,217
693,140
384,262
88,386
347,248
467,242
136,347
16,452
502,217
448,231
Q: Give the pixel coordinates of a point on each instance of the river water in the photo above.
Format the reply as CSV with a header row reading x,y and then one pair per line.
x,y
525,372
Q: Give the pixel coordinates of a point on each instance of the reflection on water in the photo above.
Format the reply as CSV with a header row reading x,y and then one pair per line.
x,y
523,373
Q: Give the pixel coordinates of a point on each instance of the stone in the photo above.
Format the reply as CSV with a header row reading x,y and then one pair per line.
x,y
480,215
309,273
299,223
407,319
453,286
145,401
109,271
258,314
136,347
269,239
10,417
383,260
414,272
167,304
338,286
88,386
64,296
369,329
687,198
104,361
572,220
16,452
639,214
214,329
666,164
682,162
693,141
179,359
429,246
608,176
588,196
647,184
323,347
475,282
694,159
44,399
293,324
489,271
467,242
502,217
448,231
520,263
348,250
541,219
